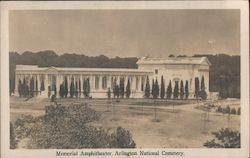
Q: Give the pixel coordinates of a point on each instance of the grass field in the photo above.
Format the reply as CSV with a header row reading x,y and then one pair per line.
x,y
180,127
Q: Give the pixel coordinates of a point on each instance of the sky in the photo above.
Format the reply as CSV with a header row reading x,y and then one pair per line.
x,y
126,33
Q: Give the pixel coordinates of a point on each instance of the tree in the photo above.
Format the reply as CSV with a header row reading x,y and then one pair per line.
x,y
87,87
202,92
109,93
176,90
147,89
66,88
117,90
186,90
122,139
114,88
224,138
181,90
36,87
197,87
72,89
55,90
25,88
42,87
169,90
20,88
162,88
153,88
121,88
62,90
80,90
76,89
156,89
128,90
32,87
238,111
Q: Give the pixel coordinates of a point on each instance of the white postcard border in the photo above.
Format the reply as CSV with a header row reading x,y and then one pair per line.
x,y
190,152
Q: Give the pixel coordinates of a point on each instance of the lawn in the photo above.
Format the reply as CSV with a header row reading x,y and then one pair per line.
x,y
181,126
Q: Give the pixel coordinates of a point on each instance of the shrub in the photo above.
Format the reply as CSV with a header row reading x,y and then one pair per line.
x,y
233,111
224,138
122,138
66,127
13,141
219,109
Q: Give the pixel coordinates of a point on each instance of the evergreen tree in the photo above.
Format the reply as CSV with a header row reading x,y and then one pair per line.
x,y
197,87
117,90
80,90
128,91
186,90
49,91
121,88
202,92
72,89
66,91
156,89
84,87
176,90
162,88
109,93
32,87
42,87
55,89
20,88
169,90
88,87
76,89
181,90
62,90
153,88
36,87
114,88
147,89
25,88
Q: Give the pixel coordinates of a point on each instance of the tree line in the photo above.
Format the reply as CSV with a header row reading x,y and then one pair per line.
x,y
224,73
157,91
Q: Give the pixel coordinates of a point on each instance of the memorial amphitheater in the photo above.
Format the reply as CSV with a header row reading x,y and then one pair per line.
x,y
102,79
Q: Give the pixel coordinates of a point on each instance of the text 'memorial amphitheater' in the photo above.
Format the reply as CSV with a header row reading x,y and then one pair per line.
x,y
174,69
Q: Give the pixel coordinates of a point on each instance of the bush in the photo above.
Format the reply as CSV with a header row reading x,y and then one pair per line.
x,y
224,138
219,109
233,111
66,127
13,141
122,139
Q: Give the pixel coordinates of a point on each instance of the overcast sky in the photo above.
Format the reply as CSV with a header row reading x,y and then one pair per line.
x,y
156,33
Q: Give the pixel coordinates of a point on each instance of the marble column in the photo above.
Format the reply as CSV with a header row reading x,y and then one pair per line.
x,y
140,83
16,84
58,83
46,83
100,82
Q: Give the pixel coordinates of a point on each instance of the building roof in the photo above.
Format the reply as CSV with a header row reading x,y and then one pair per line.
x,y
174,61
72,69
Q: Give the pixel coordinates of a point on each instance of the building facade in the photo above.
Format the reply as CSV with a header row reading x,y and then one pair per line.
x,y
47,80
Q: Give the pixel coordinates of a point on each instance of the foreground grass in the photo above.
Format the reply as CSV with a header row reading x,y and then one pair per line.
x,y
180,127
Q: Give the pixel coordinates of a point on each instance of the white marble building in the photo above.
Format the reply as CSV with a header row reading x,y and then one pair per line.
x,y
100,79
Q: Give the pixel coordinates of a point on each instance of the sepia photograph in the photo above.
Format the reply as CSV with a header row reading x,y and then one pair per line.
x,y
124,79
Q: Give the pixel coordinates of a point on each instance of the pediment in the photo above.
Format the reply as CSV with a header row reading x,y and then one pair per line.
x,y
52,69
205,61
